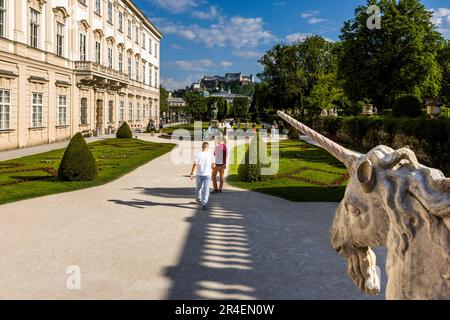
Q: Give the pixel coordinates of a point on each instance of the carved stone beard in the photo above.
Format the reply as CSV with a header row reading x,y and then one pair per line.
x,y
362,268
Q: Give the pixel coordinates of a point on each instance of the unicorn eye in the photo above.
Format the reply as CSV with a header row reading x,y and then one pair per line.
x,y
354,211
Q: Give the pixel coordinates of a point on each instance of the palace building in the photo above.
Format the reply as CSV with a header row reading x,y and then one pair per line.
x,y
69,66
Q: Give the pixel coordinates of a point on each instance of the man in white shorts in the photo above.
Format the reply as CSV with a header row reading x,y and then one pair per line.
x,y
203,165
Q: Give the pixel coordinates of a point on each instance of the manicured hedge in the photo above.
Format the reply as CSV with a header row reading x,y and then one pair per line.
x,y
407,106
124,132
251,172
428,138
78,163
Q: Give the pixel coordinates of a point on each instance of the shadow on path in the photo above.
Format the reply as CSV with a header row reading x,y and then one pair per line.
x,y
249,246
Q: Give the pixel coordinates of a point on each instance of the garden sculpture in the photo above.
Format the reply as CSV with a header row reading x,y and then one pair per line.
x,y
392,200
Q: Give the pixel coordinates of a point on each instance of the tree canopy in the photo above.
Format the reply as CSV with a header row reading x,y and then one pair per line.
x,y
399,58
292,71
196,105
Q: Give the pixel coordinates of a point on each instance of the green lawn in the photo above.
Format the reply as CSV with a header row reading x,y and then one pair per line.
x,y
36,175
306,174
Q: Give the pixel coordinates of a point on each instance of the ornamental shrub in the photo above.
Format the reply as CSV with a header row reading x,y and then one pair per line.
x,y
250,170
124,132
78,163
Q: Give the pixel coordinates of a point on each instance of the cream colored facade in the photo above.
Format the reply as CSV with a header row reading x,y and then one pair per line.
x,y
69,66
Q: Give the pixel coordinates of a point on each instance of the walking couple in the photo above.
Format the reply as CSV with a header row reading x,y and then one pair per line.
x,y
208,166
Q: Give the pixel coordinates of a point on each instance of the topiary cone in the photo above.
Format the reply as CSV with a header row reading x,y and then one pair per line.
x,y
78,163
124,132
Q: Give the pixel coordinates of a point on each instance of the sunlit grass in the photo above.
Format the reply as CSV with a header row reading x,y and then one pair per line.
x,y
36,175
306,174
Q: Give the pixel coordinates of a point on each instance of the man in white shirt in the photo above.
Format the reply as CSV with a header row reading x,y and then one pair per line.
x,y
203,165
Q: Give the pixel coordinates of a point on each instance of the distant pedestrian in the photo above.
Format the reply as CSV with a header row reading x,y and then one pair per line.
x,y
202,171
220,157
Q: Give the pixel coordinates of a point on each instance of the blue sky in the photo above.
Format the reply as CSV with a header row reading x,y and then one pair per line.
x,y
214,37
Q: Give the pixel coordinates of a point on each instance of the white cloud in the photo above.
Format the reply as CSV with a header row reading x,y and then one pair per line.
x,y
226,64
309,14
173,84
212,13
279,4
237,32
248,54
315,20
193,65
441,18
312,18
176,6
294,37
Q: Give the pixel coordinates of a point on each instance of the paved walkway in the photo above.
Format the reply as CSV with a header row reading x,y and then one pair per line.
x,y
142,237
18,153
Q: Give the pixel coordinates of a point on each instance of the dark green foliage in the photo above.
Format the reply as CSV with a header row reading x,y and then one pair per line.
x,y
399,58
428,138
407,106
292,71
251,172
196,105
240,107
124,132
78,163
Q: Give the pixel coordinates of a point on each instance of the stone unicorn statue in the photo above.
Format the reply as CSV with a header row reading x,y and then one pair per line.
x,y
392,200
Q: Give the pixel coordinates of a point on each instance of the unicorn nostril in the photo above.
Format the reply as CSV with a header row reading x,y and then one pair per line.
x,y
340,250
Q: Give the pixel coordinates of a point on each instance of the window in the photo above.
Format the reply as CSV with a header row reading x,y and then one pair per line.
x,y
137,69
120,61
120,21
110,57
156,78
138,111
144,72
37,110
59,39
110,12
82,46
34,28
121,111
84,112
137,35
150,46
156,50
2,18
130,111
143,41
150,75
129,67
5,109
129,28
62,110
111,111
98,52
98,6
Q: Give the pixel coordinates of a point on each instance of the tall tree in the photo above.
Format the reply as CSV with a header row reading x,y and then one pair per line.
x,y
444,62
240,107
164,99
399,58
196,106
291,71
